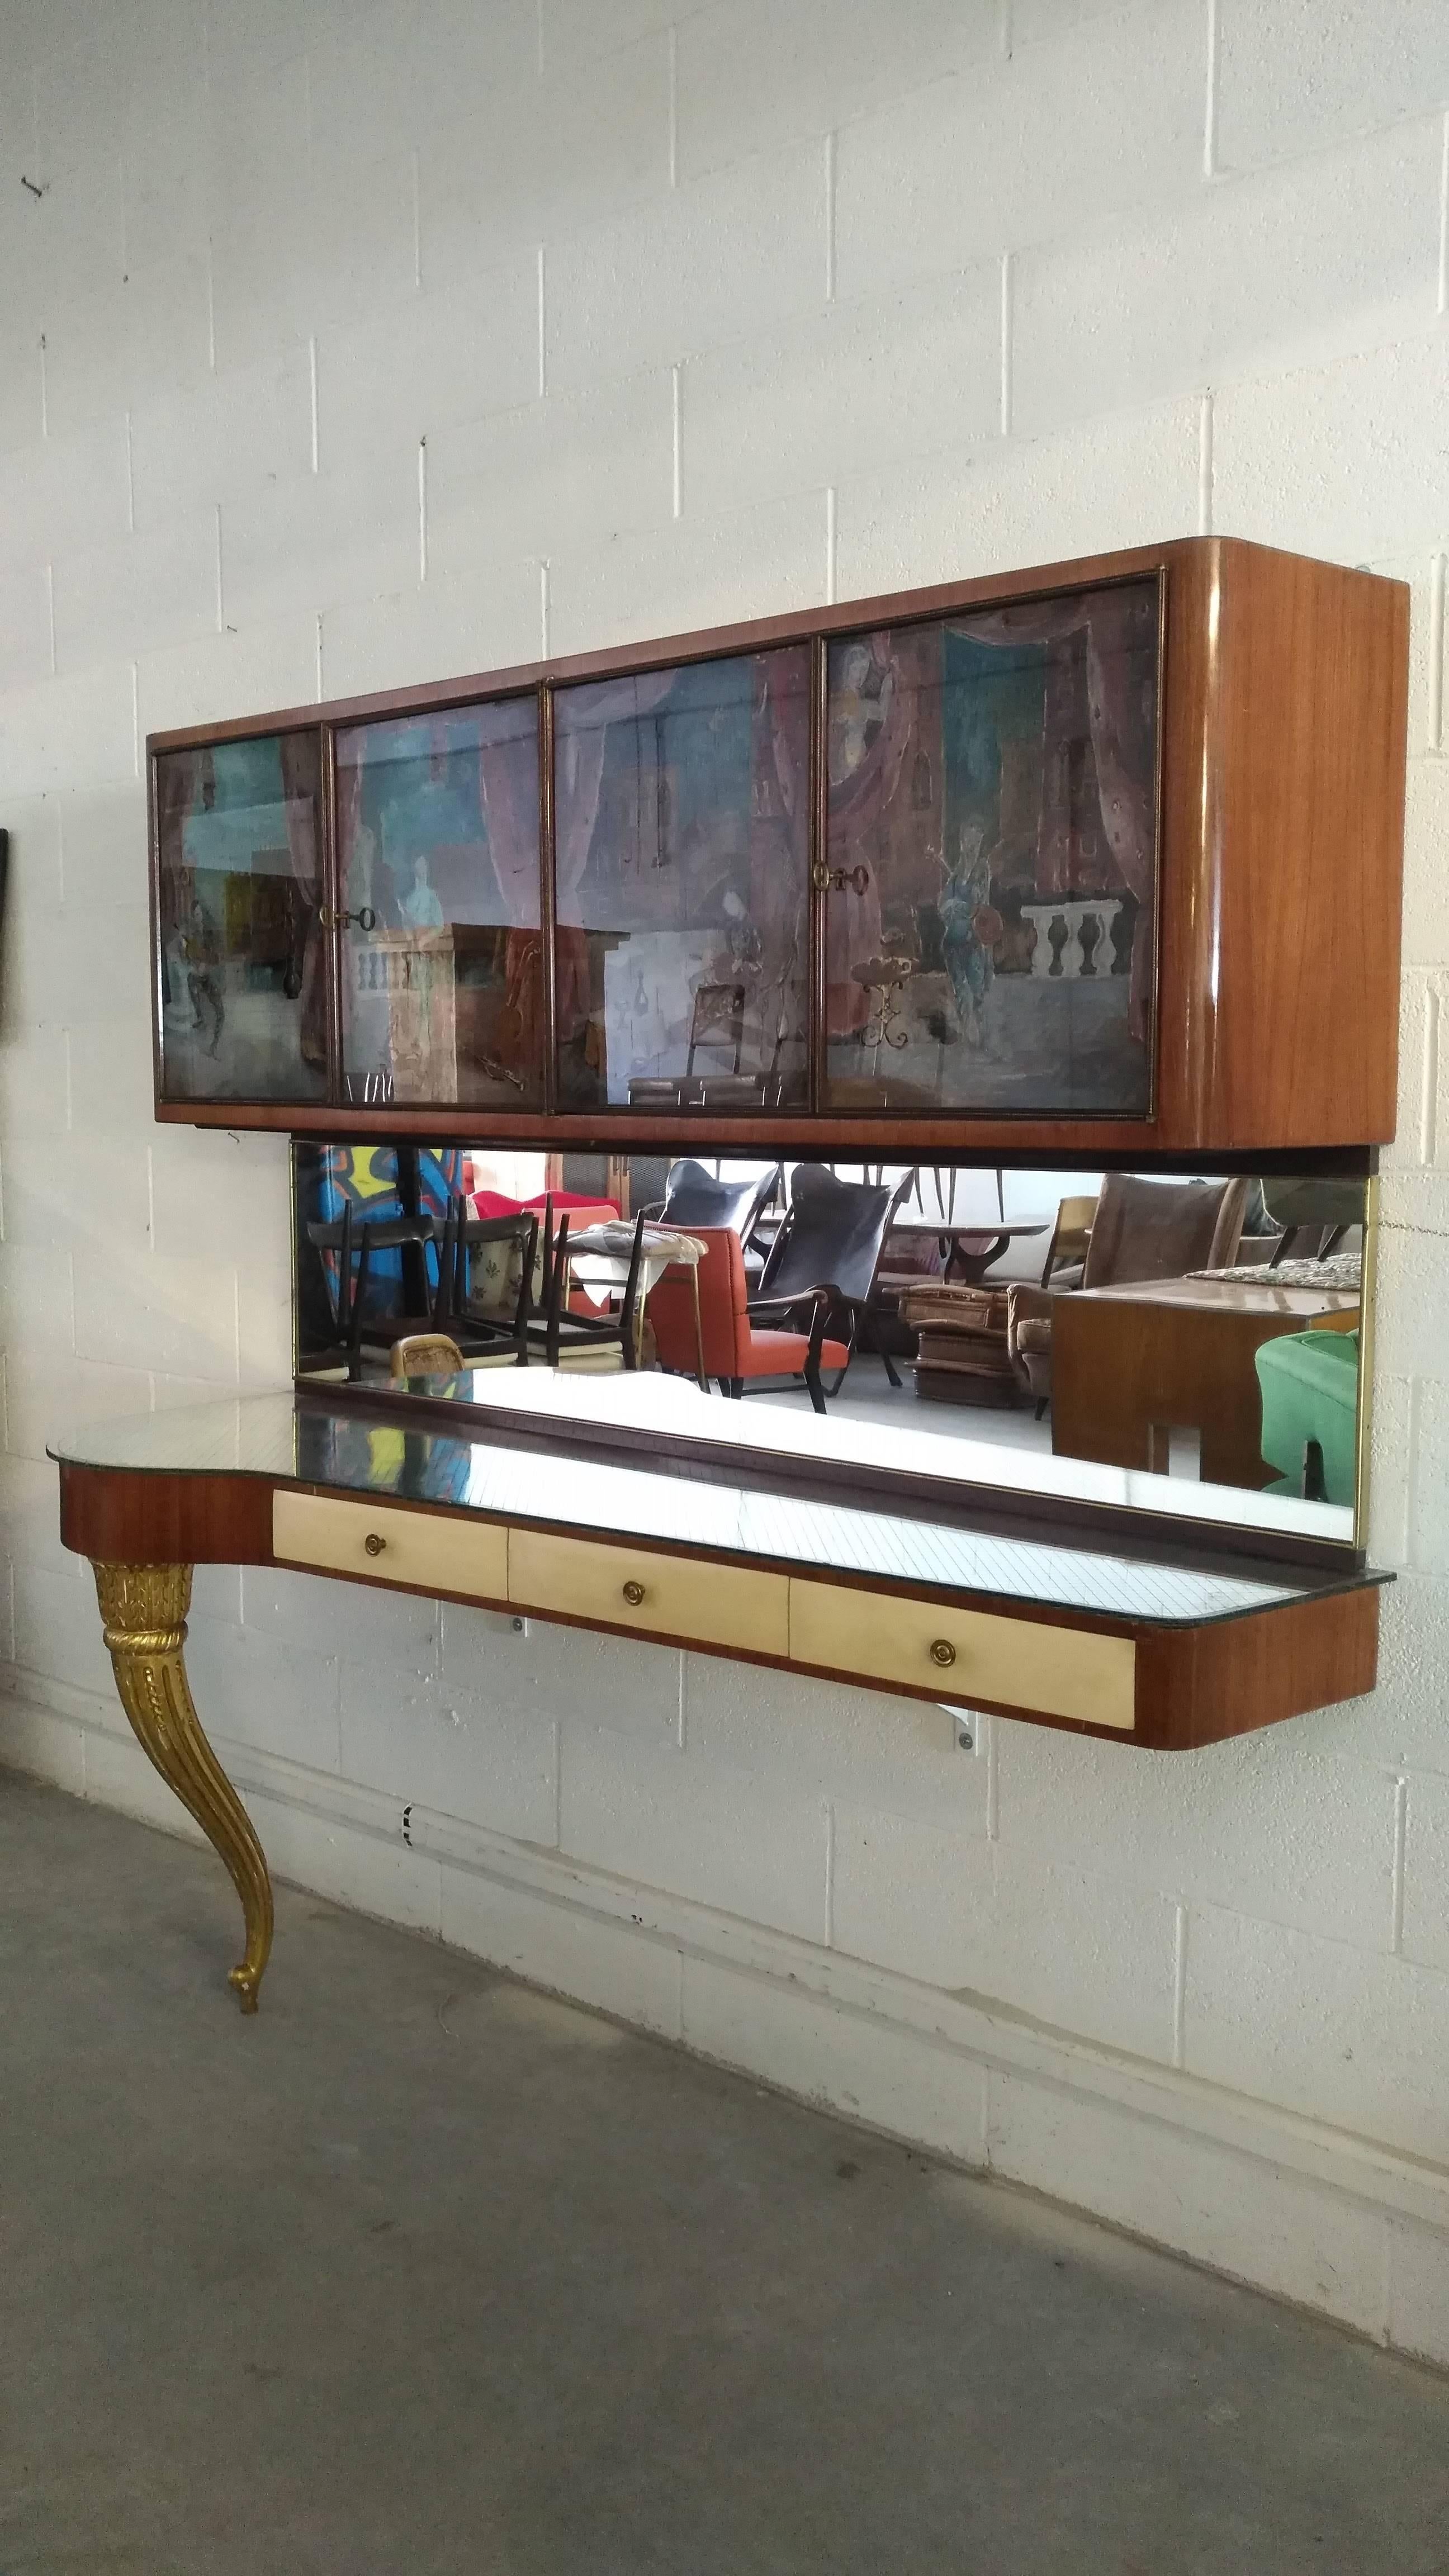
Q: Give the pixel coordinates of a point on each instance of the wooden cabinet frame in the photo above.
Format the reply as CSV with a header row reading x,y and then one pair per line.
x,y
1282,719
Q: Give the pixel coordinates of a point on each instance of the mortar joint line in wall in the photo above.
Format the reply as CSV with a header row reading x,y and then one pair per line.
x,y
830,218
312,373
321,692
1411,1473
1429,1096
422,509
1179,1986
1436,653
1003,27
1210,105
1444,221
673,106
542,330
1401,1821
1205,465
676,403
1006,284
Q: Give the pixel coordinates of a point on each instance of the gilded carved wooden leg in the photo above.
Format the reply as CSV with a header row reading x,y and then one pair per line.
x,y
144,1611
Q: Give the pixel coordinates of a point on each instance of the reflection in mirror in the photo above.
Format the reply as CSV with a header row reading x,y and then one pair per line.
x,y
682,829
438,833
992,845
1181,1344
239,948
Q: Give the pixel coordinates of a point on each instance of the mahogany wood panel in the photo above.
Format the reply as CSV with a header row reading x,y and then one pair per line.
x,y
1079,1144
1195,1684
123,1516
1283,723
1198,1685
1292,969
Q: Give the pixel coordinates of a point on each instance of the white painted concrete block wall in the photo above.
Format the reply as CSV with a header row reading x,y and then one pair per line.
x,y
349,346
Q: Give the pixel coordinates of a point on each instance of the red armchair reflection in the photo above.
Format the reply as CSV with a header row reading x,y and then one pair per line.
x,y
735,1349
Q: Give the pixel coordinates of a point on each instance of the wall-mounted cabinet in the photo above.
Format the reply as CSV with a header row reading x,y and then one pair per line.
x,y
1098,860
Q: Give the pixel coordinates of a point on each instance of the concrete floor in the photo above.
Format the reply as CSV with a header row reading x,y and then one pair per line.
x,y
421,2272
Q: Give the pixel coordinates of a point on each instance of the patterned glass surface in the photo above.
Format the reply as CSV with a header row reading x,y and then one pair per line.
x,y
682,832
240,964
343,1450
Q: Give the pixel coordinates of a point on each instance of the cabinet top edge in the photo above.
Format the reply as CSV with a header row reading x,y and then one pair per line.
x,y
786,627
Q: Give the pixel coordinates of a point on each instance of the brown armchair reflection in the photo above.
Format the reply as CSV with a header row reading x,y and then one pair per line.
x,y
1141,1230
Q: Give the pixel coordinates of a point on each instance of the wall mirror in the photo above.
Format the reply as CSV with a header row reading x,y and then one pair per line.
x,y
1187,1348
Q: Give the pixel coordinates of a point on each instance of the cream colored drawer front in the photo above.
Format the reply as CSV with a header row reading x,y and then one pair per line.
x,y
435,1551
1069,1672
667,1596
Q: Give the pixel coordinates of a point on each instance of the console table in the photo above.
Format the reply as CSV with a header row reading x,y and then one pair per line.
x,y
1126,1646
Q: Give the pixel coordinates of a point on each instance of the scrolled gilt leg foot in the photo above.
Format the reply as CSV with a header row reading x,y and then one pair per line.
x,y
143,1608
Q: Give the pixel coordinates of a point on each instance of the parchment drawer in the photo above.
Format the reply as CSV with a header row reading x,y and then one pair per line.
x,y
965,1654
663,1596
435,1551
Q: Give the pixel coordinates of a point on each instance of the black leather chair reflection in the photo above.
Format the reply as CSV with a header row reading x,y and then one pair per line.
x,y
694,1197
829,1248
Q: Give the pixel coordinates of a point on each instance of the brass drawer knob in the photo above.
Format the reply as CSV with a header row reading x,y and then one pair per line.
x,y
633,1593
373,1544
942,1651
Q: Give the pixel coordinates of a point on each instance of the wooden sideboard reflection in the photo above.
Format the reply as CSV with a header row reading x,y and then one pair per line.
x,y
1134,1363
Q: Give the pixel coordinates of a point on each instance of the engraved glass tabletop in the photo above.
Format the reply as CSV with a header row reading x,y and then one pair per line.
x,y
347,1449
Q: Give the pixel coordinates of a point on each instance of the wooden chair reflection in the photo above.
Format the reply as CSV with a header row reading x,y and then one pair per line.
x,y
717,1020
1071,1240
565,1337
496,1336
334,1243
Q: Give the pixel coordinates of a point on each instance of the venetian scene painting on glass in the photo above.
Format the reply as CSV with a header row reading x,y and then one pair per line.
x,y
992,855
682,830
438,830
240,966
